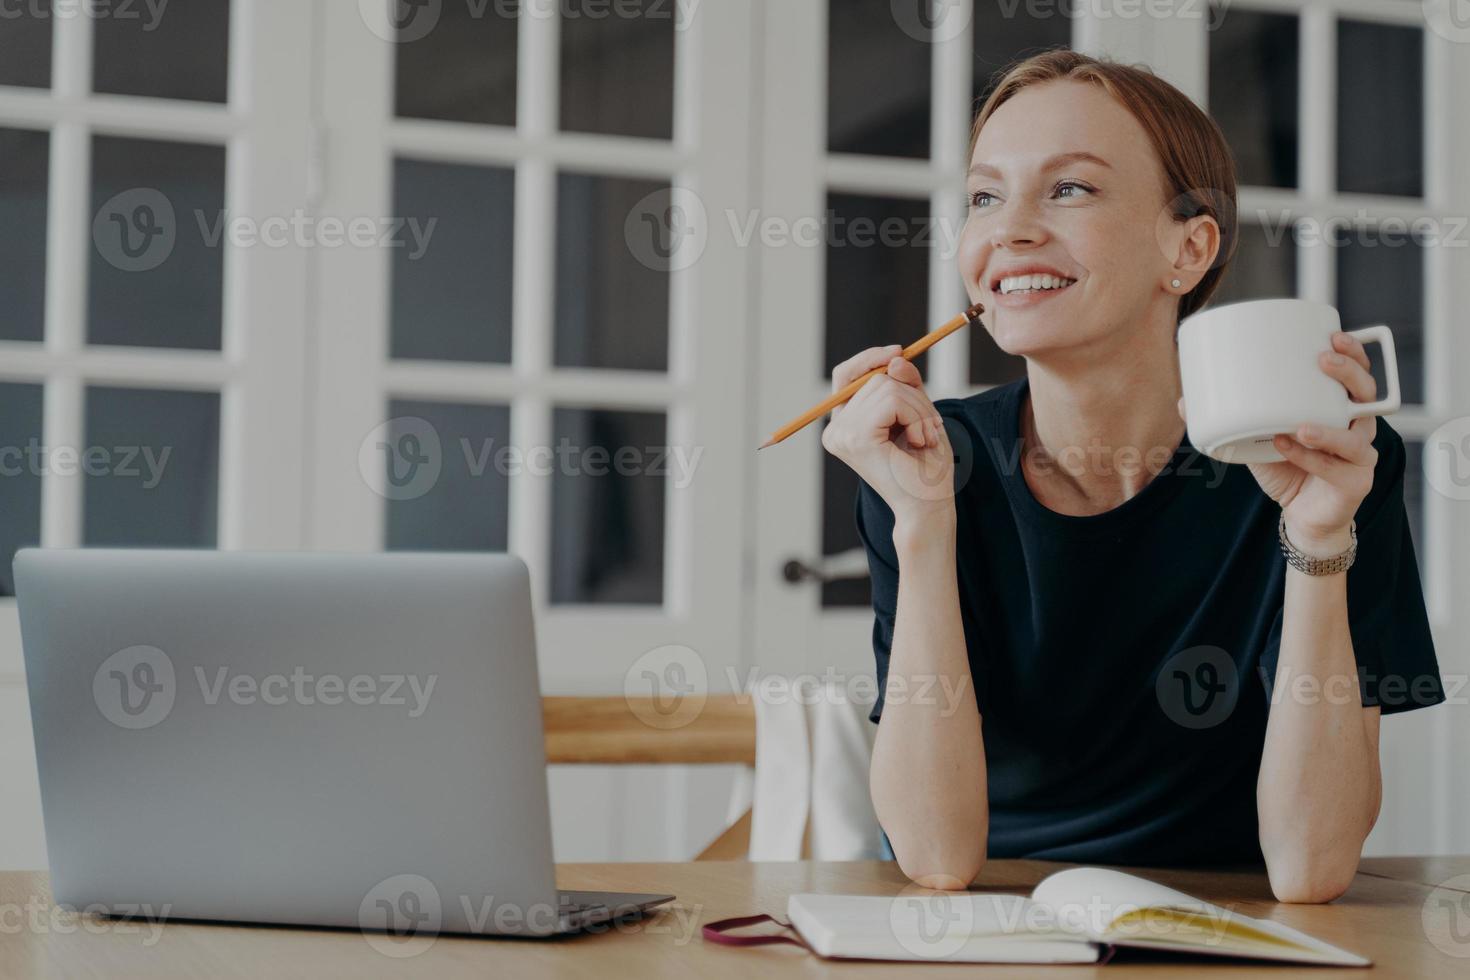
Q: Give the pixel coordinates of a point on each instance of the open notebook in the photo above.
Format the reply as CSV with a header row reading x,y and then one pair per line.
x,y
1073,916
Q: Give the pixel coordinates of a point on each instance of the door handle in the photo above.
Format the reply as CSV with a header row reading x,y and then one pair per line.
x,y
847,565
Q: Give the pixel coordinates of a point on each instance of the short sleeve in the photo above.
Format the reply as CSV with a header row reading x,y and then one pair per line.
x,y
1392,641
875,528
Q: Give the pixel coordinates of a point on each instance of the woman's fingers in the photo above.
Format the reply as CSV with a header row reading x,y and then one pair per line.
x,y
1354,443
858,365
896,404
1345,343
1353,375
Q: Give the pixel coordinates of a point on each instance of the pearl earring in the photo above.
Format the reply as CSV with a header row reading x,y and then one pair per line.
x,y
1175,283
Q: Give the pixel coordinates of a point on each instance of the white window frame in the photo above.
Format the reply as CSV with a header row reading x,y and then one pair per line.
x,y
258,372
583,648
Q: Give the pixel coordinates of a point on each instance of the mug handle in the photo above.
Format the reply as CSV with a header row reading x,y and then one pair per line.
x,y
1390,402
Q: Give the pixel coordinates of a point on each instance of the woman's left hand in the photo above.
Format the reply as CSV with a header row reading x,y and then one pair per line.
x,y
1327,471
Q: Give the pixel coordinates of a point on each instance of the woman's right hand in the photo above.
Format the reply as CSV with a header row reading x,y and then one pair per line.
x,y
892,436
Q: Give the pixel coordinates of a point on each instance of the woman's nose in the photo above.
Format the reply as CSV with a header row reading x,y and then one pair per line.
x,y
1018,224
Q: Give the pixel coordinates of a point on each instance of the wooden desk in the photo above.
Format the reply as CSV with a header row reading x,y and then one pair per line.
x,y
1380,917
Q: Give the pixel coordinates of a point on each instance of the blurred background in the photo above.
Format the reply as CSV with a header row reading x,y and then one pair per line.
x,y
344,274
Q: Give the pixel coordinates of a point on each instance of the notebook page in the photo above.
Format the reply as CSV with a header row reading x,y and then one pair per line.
x,y
962,926
1092,899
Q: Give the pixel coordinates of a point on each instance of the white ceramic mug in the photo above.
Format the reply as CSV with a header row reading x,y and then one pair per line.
x,y
1250,371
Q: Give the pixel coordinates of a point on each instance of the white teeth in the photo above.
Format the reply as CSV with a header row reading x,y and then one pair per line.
x,y
1037,281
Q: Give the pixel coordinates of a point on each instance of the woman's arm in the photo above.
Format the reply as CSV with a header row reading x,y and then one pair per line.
x,y
928,769
1319,788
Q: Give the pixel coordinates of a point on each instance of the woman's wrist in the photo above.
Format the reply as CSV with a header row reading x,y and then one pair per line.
x,y
921,532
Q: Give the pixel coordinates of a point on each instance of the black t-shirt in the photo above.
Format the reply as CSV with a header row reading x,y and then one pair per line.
x,y
1122,661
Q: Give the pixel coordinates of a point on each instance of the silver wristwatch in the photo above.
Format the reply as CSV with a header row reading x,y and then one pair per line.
x,y
1318,566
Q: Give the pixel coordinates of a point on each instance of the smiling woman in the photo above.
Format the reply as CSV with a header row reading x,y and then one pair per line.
x,y
1107,598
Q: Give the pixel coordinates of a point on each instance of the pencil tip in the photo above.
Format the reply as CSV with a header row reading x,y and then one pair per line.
x,y
768,442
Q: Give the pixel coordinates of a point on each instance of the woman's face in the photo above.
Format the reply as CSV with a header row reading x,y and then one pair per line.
x,y
1064,182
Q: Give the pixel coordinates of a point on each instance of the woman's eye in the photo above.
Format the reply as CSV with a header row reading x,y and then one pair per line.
x,y
1071,185
981,199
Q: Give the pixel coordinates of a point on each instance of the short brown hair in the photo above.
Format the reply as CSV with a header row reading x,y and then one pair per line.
x,y
1198,166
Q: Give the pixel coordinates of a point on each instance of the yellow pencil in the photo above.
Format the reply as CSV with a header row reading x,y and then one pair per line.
x,y
972,315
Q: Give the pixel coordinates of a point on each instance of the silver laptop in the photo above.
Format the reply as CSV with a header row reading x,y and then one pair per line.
x,y
308,739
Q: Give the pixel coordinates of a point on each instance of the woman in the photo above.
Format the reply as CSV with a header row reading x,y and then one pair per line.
x,y
1146,681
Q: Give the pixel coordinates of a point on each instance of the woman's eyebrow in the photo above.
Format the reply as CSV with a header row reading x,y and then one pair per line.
x,y
1050,163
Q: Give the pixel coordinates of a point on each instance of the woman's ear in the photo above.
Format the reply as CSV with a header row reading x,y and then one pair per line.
x,y
1198,248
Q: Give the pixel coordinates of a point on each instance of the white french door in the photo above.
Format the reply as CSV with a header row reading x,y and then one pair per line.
x,y
555,363
152,390
1339,115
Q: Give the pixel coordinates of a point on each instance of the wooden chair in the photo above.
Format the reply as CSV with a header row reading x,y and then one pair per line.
x,y
611,731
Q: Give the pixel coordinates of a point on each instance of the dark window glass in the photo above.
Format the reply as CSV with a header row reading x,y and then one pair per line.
x,y
1264,265
24,159
467,506
151,466
617,67
457,61
1005,33
879,54
607,506
158,237
1380,279
25,46
452,265
1254,62
612,297
1380,109
21,465
877,274
839,531
164,51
